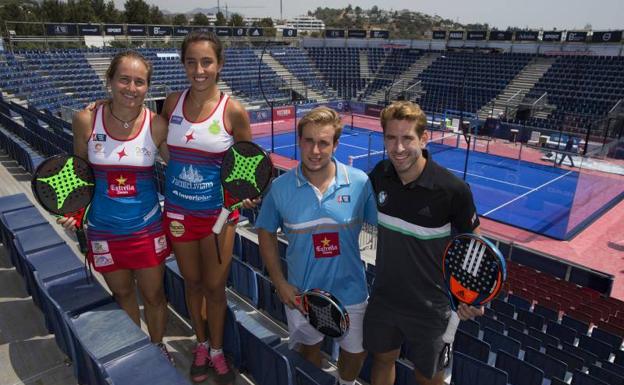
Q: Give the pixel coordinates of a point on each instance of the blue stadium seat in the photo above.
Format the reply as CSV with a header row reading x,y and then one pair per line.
x,y
518,371
503,307
268,300
470,326
546,339
580,378
579,326
251,253
244,280
14,202
67,295
588,357
562,332
607,376
547,313
525,339
487,322
471,346
600,349
572,360
101,335
174,288
469,371
33,239
297,361
263,363
530,319
510,322
499,341
614,341
144,366
552,367
519,302
619,357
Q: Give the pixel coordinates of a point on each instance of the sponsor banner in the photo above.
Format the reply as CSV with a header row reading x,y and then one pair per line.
x,y
260,116
551,36
181,30
204,28
356,33
283,113
357,107
334,33
223,31
526,35
89,30
338,105
577,36
60,29
607,37
239,31
372,110
113,29
476,35
379,34
500,35
305,108
136,30
456,35
439,35
289,32
160,30
255,32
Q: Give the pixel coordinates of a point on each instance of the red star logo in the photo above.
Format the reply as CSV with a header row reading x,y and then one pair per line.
x,y
189,137
122,153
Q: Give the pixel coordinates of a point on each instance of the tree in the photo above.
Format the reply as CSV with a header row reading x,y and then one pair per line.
x,y
236,20
200,19
80,11
220,19
155,15
136,12
266,22
111,13
179,19
53,10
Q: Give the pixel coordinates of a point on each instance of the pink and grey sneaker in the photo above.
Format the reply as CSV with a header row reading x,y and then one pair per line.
x,y
222,368
201,362
165,352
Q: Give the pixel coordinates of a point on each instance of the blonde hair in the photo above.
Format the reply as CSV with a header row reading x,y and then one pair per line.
x,y
321,116
405,110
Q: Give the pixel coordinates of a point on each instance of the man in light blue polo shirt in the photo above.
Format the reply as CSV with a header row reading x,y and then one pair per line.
x,y
320,206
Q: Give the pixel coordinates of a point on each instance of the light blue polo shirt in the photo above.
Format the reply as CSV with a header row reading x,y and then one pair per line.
x,y
323,250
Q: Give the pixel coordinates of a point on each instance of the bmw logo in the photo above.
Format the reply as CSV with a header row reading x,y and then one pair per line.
x,y
382,197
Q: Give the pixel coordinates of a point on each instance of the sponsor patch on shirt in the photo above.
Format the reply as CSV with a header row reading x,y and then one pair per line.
x,y
344,198
98,137
176,119
121,184
326,245
101,260
99,247
160,244
177,216
176,228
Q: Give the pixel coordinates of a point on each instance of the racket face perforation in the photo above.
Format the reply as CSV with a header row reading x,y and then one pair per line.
x,y
246,170
325,313
473,268
63,184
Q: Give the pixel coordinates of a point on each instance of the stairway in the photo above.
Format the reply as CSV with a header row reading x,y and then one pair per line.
x,y
290,79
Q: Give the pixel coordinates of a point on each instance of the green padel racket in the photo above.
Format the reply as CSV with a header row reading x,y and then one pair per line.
x,y
64,185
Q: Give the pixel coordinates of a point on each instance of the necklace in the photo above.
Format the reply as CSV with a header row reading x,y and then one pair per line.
x,y
126,123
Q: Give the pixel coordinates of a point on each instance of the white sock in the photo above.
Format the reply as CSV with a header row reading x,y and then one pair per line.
x,y
345,382
206,344
215,352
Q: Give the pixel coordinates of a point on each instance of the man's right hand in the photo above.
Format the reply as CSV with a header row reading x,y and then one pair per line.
x,y
288,295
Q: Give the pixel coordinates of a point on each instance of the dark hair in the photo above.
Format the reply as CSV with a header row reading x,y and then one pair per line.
x,y
201,35
112,68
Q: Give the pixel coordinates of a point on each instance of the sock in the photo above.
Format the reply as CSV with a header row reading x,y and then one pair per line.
x,y
215,352
345,382
205,343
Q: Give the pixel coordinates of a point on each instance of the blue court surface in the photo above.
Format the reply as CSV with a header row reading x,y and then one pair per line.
x,y
535,197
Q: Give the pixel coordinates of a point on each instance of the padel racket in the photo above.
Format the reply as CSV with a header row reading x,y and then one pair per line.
x,y
474,273
64,186
246,171
324,312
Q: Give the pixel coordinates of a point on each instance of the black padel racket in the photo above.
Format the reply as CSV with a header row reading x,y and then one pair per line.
x,y
64,185
246,171
324,312
474,273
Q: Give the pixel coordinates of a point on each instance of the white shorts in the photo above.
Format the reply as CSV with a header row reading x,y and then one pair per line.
x,y
301,332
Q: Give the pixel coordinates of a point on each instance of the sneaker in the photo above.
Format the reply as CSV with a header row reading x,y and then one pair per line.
x,y
165,352
201,361
223,371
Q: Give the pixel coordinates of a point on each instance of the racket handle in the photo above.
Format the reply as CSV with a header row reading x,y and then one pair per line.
x,y
82,241
218,226
449,335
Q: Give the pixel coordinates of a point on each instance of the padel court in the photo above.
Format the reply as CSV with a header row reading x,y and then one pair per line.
x,y
539,198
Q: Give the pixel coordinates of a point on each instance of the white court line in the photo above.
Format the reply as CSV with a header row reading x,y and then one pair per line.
x,y
492,179
526,193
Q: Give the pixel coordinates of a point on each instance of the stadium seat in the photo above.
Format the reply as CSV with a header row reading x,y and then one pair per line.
x,y
530,319
613,340
487,322
607,376
297,361
144,366
262,362
562,332
499,341
471,346
518,371
101,335
503,307
525,339
579,326
573,361
580,378
600,349
469,371
175,289
551,366
588,357
33,239
469,326
268,299
244,280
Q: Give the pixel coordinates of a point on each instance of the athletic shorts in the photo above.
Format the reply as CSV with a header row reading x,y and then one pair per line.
x,y
386,329
185,228
301,332
129,252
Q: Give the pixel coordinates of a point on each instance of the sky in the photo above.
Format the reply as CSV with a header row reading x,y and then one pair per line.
x,y
535,14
